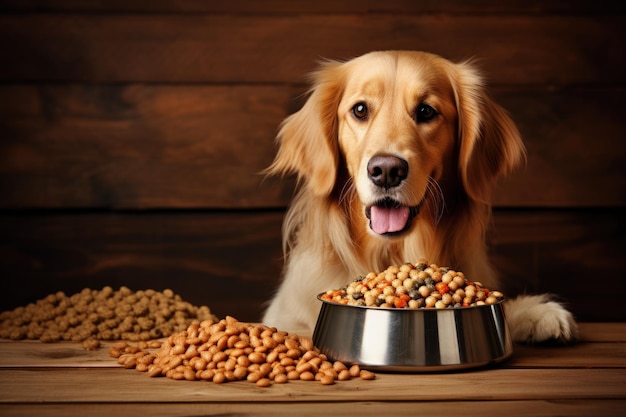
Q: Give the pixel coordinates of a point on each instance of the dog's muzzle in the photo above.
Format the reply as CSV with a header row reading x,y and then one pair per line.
x,y
388,216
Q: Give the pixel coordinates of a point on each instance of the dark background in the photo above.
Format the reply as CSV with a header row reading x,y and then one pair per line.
x,y
132,134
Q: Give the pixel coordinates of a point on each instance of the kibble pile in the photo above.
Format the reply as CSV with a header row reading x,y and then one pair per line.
x,y
420,285
230,350
93,315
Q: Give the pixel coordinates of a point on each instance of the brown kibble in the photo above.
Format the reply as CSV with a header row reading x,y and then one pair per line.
x,y
316,362
272,356
339,366
291,344
240,372
269,342
198,363
306,343
367,375
344,375
232,340
256,357
230,364
327,380
199,353
179,376
263,382
154,371
175,361
243,360
330,372
219,378
91,316
265,368
121,345
307,376
293,353
287,361
130,361
254,376
304,367
207,375
355,371
222,343
147,359
189,375
219,356
115,353
281,379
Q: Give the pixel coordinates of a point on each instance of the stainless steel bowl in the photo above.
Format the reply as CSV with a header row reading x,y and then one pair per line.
x,y
413,340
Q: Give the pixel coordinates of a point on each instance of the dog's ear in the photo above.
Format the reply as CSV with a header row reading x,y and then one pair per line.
x,y
307,139
490,144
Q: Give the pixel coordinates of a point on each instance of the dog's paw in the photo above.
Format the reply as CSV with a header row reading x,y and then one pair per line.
x,y
538,318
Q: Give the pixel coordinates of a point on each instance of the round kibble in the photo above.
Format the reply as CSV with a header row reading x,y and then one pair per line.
x,y
219,378
355,371
344,375
188,356
327,380
281,378
93,315
367,375
263,382
419,285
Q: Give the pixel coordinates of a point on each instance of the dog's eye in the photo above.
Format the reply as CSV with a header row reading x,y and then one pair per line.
x,y
424,113
360,111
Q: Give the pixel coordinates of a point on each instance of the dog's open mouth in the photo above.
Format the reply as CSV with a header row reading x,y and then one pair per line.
x,y
388,216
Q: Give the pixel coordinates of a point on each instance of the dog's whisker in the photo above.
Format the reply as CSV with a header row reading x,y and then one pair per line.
x,y
347,190
437,200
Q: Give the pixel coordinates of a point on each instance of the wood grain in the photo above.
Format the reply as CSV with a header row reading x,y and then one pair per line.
x,y
62,379
321,6
131,135
518,408
126,386
576,157
592,350
228,261
158,146
140,146
231,261
565,253
114,48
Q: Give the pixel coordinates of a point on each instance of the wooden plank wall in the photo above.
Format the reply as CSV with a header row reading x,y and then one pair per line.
x,y
132,134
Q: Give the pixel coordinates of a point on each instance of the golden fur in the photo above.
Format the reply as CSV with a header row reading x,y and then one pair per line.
x,y
455,141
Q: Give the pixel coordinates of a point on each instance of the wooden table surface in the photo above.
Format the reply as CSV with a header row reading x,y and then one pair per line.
x,y
586,379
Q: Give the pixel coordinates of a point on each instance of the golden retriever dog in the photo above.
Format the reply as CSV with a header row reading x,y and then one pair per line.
x,y
395,154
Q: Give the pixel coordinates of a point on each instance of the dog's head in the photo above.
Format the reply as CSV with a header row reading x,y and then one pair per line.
x,y
401,133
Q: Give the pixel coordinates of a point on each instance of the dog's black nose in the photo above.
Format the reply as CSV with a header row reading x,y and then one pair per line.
x,y
387,170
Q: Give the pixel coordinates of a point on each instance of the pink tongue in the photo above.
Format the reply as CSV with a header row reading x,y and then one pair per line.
x,y
388,219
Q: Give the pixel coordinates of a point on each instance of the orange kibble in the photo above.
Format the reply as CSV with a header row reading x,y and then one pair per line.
x,y
442,287
307,376
266,357
399,302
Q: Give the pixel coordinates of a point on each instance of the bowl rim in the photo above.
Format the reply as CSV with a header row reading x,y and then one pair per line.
x,y
376,308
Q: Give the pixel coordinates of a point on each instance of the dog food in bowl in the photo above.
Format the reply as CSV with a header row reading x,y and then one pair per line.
x,y
420,285
413,318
